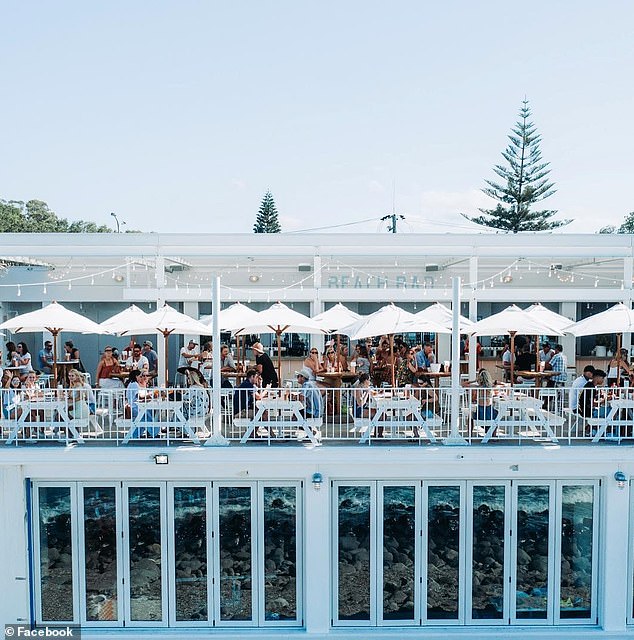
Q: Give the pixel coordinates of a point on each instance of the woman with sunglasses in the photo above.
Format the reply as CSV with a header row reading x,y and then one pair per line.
x,y
80,396
313,363
407,368
106,367
361,359
11,399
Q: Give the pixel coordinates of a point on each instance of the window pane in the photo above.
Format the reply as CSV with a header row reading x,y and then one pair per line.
x,y
234,515
190,552
354,553
100,553
443,553
144,506
576,550
56,553
531,595
487,582
399,552
280,551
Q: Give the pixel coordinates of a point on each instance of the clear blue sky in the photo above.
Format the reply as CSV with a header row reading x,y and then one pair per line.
x,y
180,115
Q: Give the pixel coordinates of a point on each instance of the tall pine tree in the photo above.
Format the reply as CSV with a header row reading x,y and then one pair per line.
x,y
524,183
266,221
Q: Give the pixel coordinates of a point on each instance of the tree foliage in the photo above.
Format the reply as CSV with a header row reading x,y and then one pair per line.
x,y
524,183
267,221
34,216
627,226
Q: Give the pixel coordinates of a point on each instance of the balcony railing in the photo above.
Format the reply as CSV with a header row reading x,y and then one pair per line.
x,y
316,415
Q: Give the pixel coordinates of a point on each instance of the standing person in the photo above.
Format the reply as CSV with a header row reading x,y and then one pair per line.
x,y
546,353
45,358
264,366
108,365
361,359
206,361
152,357
189,355
618,367
80,396
558,364
407,368
73,354
507,357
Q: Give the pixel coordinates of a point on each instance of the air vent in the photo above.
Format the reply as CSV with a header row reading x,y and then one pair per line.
x,y
432,267
304,267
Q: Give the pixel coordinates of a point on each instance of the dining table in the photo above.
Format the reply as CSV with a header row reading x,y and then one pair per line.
x,y
63,367
334,382
539,376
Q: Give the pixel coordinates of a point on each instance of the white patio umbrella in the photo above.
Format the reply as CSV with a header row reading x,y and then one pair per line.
x,y
389,320
232,318
279,319
165,321
443,315
130,316
555,320
618,319
512,321
53,318
333,319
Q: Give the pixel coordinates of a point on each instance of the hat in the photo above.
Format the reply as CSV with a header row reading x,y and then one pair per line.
x,y
257,347
305,372
192,341
148,343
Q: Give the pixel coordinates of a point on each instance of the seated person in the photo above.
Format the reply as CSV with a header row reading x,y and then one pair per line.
x,y
80,397
244,396
482,395
578,384
11,399
45,358
311,395
592,400
136,391
525,361
137,360
361,396
313,363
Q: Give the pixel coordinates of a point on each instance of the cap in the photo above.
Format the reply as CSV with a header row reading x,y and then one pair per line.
x,y
148,343
192,341
305,372
257,347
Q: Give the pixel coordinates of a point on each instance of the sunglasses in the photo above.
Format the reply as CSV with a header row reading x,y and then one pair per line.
x,y
107,350
314,351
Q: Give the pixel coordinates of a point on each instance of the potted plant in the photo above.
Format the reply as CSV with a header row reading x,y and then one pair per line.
x,y
602,344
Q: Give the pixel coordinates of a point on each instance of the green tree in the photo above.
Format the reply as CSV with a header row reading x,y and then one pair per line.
x,y
627,226
524,183
35,216
266,221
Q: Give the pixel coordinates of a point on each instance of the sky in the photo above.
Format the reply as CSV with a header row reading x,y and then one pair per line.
x,y
179,115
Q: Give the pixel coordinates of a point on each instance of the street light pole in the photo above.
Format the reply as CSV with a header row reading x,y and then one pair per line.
x,y
114,215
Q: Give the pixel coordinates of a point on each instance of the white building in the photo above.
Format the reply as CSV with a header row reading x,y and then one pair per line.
x,y
328,541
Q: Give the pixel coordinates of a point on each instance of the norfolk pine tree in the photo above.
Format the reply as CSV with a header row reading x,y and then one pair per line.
x,y
524,184
266,221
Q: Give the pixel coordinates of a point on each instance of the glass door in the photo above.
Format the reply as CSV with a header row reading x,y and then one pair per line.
x,y
100,557
144,554
398,550
189,541
532,552
488,524
444,569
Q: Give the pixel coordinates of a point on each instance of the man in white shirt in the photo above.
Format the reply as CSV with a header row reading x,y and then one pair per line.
x,y
137,360
578,384
189,355
546,353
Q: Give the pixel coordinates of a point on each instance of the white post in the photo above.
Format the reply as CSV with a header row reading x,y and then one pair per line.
x,y
473,316
159,274
216,439
455,438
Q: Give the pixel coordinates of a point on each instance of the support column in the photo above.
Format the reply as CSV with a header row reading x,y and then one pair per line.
x,y
159,275
317,561
613,597
317,304
473,315
216,439
628,274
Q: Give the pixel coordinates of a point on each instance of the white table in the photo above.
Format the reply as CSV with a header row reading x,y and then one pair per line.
x,y
396,411
50,407
613,419
522,412
163,409
291,409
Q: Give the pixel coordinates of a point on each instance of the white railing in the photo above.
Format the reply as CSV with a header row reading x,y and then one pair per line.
x,y
422,415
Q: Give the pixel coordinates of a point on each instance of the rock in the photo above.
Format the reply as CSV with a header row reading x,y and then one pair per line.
x,y
348,543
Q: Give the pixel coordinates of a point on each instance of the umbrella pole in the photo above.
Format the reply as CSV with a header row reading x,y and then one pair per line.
x,y
165,338
338,352
619,338
512,356
279,357
392,359
54,333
